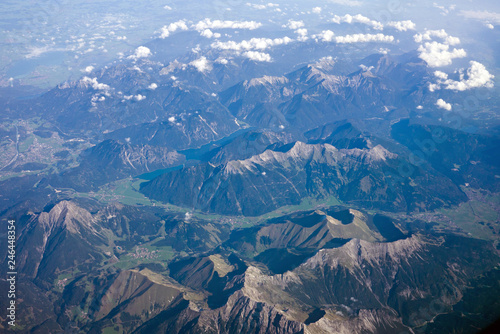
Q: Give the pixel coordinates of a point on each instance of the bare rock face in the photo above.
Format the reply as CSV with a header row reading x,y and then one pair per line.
x,y
55,240
360,287
139,294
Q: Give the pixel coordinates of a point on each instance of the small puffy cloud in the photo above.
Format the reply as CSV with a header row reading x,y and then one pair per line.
x,y
433,87
442,34
316,10
440,103
138,69
222,61
437,54
326,35
420,107
363,38
489,26
153,86
218,24
209,34
441,75
257,56
293,24
172,27
258,6
167,7
202,64
171,119
302,34
252,44
88,69
329,36
358,19
94,83
141,52
366,68
402,25
477,76
172,67
139,97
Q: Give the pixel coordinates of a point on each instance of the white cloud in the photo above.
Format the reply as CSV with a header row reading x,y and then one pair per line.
x,y
358,19
366,68
477,76
329,36
222,61
172,27
420,107
433,87
437,54
444,10
441,75
293,24
196,49
209,34
172,67
442,34
257,56
202,64
88,69
402,25
141,52
171,119
489,26
326,35
137,97
302,34
94,83
153,86
167,7
138,69
252,44
218,24
361,38
443,105
316,10
268,5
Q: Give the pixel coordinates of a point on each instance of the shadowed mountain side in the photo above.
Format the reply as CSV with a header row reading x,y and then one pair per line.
x,y
288,174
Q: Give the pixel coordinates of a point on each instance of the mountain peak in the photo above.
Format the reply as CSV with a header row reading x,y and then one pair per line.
x,y
357,251
68,215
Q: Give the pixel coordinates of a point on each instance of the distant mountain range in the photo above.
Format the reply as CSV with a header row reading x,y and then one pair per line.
x,y
320,197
